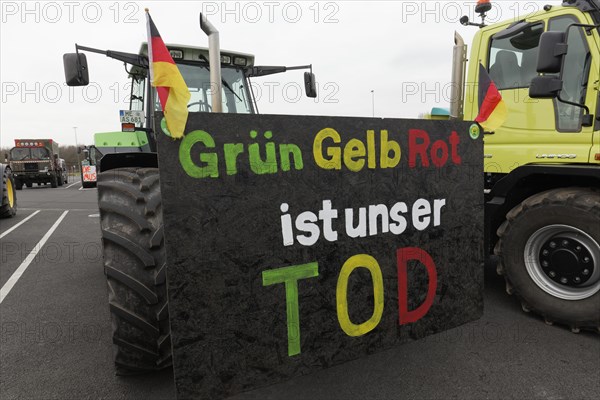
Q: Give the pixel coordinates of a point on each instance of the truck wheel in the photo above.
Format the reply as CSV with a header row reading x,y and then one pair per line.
x,y
135,265
549,252
53,180
59,179
8,205
29,185
18,184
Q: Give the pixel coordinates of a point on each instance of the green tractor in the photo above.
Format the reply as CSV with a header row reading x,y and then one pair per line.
x,y
129,195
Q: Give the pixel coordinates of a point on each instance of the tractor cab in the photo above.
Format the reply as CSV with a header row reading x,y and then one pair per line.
x,y
192,62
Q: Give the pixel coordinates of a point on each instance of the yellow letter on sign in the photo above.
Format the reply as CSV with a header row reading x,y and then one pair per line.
x,y
359,261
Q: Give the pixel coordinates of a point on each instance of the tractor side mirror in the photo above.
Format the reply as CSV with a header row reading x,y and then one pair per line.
x,y
545,87
553,48
76,69
310,85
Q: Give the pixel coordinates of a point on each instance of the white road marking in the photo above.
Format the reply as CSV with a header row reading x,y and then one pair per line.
x,y
94,215
72,184
18,225
30,257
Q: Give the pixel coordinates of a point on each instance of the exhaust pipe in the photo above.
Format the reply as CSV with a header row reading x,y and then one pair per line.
x,y
214,60
459,64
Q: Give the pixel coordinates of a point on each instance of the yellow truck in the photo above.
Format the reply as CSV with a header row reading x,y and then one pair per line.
x,y
542,166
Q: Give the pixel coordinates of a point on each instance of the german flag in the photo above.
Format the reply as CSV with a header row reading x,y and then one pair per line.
x,y
172,90
492,109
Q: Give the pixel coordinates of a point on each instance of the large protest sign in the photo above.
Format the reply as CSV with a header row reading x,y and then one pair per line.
x,y
297,243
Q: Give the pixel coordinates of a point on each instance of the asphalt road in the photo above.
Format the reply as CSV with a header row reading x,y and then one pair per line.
x,y
55,340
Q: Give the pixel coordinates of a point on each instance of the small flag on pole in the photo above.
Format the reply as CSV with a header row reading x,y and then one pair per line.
x,y
172,90
492,109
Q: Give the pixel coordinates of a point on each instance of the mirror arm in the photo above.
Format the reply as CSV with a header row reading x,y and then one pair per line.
x,y
133,59
263,71
586,108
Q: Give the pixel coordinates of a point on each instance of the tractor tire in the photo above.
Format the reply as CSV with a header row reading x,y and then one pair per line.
x,y
8,205
550,256
18,184
53,181
135,266
29,185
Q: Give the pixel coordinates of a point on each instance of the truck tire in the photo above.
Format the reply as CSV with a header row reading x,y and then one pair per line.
x,y
29,185
18,184
135,266
8,205
59,179
53,180
550,256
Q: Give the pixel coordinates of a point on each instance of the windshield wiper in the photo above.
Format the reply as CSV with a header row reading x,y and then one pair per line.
x,y
223,81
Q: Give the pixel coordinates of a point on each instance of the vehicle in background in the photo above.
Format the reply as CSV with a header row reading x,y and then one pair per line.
x,y
8,202
88,166
64,170
36,161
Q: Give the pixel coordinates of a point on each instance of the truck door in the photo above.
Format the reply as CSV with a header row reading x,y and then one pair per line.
x,y
541,131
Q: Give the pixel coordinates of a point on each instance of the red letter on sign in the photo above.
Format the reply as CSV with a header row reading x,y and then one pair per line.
x,y
413,253
418,149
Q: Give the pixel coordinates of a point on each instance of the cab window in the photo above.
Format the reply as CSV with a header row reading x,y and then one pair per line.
x,y
513,60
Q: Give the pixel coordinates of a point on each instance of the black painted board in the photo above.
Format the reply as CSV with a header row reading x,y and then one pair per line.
x,y
401,259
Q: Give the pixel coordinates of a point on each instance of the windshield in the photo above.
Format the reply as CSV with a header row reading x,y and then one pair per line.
x,y
197,77
19,154
40,153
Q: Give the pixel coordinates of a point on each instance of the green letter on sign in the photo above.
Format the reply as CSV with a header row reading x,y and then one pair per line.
x,y
211,159
290,276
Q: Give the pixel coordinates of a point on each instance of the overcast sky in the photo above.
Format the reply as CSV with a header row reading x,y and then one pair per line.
x,y
402,50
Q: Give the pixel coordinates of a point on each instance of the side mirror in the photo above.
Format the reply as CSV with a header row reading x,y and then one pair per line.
x,y
310,85
545,87
76,69
553,48
5,157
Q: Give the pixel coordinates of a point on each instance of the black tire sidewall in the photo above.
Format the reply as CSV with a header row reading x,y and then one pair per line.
x,y
513,247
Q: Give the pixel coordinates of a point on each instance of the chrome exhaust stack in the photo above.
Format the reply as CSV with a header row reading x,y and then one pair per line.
x,y
214,60
459,66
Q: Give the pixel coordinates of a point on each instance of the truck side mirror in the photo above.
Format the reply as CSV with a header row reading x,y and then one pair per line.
x,y
310,85
76,69
553,48
545,87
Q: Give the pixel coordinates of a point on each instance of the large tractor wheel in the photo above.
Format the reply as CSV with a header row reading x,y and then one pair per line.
x,y
135,266
549,252
8,205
